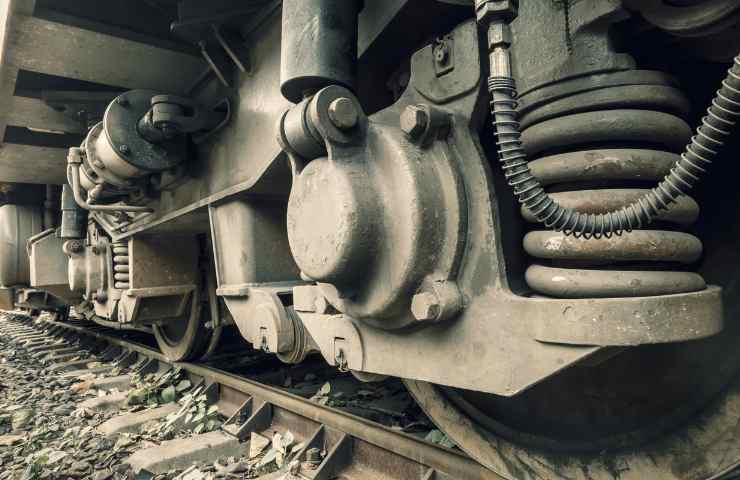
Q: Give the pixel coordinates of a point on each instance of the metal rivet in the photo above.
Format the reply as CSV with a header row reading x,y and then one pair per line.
x,y
124,149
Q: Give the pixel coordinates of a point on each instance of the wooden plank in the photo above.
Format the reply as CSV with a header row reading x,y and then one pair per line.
x,y
34,114
29,164
56,49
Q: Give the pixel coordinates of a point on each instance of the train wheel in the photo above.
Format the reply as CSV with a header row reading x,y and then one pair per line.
x,y
186,337
663,412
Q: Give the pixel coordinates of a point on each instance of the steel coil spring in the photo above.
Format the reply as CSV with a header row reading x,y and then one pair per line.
x,y
716,126
121,266
596,151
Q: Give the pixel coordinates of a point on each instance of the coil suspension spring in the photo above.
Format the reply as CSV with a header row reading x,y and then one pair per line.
x,y
121,265
596,147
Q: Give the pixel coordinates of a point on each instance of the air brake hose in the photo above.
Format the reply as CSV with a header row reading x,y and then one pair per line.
x,y
714,130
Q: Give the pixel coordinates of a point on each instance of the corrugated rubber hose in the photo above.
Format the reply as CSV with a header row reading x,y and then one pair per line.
x,y
716,127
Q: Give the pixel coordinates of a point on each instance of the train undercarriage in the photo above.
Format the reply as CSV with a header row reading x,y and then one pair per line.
x,y
496,201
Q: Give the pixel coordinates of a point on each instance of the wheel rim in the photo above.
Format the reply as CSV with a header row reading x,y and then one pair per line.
x,y
184,338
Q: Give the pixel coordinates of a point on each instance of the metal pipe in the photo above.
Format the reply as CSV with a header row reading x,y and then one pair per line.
x,y
74,218
73,164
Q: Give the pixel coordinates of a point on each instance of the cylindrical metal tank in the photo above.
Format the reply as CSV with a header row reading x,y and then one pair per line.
x,y
18,223
319,46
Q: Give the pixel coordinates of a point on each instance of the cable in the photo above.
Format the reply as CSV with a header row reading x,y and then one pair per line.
x,y
715,129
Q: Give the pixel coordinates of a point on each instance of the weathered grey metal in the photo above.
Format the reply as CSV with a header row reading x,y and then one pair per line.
x,y
547,50
683,213
73,223
594,283
226,174
400,241
639,246
377,449
492,314
566,110
691,21
48,265
665,130
318,47
33,164
18,223
339,213
697,445
75,161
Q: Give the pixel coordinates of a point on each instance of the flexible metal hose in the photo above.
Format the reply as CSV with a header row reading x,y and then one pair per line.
x,y
714,130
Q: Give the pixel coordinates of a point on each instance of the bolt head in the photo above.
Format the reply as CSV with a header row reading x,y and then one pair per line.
x,y
414,121
441,53
425,306
124,149
343,113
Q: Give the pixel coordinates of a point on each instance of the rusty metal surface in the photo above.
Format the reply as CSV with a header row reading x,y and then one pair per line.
x,y
702,449
220,170
378,451
638,246
593,283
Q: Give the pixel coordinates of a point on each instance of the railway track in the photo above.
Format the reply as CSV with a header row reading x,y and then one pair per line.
x,y
327,441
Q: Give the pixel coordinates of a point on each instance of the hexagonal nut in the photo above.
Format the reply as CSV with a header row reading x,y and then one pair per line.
x,y
489,10
425,306
414,121
499,34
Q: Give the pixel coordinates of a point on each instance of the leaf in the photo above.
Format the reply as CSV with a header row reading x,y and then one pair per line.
x,y
268,458
183,385
188,418
199,428
288,440
55,457
439,438
212,410
325,389
169,394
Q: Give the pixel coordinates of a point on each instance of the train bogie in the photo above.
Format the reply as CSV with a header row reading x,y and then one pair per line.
x,y
492,200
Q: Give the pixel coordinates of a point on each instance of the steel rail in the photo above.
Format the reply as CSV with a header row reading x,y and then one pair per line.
x,y
437,462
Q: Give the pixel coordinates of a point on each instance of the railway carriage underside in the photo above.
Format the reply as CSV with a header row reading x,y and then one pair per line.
x,y
340,178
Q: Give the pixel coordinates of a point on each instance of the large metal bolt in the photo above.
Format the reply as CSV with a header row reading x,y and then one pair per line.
x,y
343,113
425,306
124,149
442,300
414,121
